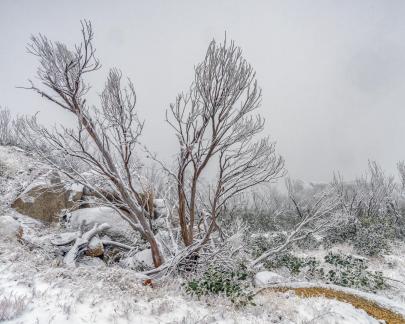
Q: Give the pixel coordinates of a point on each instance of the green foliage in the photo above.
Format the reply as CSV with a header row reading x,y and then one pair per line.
x,y
339,269
349,271
233,285
374,237
369,235
293,263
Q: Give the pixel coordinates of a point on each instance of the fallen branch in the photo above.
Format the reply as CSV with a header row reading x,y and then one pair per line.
x,y
117,244
81,244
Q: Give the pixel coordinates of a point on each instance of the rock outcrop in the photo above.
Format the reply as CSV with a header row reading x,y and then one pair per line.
x,y
47,197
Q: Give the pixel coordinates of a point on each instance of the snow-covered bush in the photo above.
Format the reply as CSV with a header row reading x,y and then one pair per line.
x,y
5,127
370,238
336,268
258,244
349,271
233,285
370,207
373,239
346,232
294,264
10,129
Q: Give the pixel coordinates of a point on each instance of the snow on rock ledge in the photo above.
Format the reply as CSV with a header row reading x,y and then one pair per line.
x,y
265,278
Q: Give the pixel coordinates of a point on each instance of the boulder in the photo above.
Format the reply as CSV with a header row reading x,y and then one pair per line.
x,y
265,278
95,248
47,197
140,261
144,257
9,227
119,229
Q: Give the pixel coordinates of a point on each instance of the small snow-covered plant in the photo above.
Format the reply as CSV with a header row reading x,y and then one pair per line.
x,y
346,232
231,284
293,263
349,271
373,239
261,243
12,306
369,206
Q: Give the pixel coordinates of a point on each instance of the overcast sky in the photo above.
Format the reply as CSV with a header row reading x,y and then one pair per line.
x,y
332,72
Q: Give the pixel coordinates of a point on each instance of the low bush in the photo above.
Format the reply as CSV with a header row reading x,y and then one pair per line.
x,y
374,239
259,244
349,271
293,263
338,269
232,285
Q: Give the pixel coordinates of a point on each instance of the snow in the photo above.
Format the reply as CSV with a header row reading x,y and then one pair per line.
x,y
8,227
379,300
144,257
265,278
317,310
96,293
74,189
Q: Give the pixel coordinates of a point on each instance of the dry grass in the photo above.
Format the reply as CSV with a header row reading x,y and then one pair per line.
x,y
368,306
11,306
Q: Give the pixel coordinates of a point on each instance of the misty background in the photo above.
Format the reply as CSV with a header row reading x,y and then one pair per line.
x,y
332,72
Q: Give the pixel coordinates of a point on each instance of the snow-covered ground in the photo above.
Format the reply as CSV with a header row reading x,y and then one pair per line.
x,y
94,293
35,286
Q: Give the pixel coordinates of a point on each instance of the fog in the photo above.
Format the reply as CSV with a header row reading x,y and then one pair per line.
x,y
332,72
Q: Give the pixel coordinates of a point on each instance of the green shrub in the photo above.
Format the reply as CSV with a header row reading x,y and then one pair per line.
x,y
293,263
339,269
233,285
260,243
349,271
373,238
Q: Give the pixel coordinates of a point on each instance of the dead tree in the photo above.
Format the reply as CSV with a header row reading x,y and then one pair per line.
x,y
215,125
104,139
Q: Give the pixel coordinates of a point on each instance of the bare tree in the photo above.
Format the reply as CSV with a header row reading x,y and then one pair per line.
x,y
215,125
105,139
315,214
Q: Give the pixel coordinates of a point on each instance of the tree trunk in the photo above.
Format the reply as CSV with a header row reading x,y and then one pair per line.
x,y
156,255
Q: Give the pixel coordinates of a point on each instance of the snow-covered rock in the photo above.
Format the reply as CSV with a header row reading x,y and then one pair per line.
x,y
88,261
9,227
119,228
46,197
139,261
95,248
144,257
265,278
